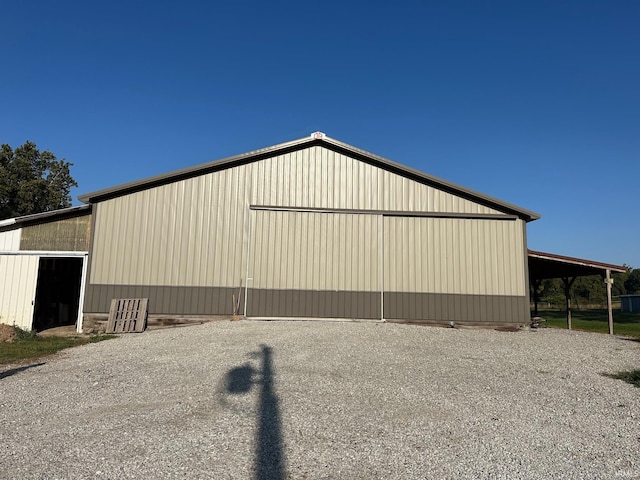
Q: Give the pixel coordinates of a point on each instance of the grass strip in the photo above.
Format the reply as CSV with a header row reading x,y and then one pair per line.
x,y
29,347
595,320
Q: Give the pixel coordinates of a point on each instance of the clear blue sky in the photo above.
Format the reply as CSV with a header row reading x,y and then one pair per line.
x,y
536,103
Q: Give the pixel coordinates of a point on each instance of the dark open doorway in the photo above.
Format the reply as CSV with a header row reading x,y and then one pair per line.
x,y
57,292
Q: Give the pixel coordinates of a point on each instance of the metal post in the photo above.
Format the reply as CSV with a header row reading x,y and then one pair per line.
x,y
83,283
568,282
609,281
246,278
381,263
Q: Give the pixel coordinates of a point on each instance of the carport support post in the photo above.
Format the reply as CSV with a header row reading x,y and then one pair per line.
x,y
536,283
609,281
567,283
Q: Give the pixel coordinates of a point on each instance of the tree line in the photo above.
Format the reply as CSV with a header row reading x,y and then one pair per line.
x,y
32,181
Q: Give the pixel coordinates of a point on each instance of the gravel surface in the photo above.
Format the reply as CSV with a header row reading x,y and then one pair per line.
x,y
276,400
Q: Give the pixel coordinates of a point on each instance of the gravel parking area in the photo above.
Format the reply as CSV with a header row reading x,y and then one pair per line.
x,y
310,400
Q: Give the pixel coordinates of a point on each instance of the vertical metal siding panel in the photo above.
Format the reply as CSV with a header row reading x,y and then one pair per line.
x,y
223,243
256,248
18,279
142,232
10,240
315,180
322,274
102,243
234,239
165,274
520,257
430,255
441,285
280,177
217,228
306,181
287,223
100,235
328,161
172,250
389,284
163,265
514,266
182,232
295,254
463,267
108,240
275,262
509,277
197,240
484,252
340,259
478,272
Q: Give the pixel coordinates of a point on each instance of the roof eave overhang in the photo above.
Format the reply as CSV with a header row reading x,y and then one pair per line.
x,y
12,223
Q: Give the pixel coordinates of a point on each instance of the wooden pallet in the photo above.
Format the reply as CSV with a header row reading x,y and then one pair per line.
x,y
127,315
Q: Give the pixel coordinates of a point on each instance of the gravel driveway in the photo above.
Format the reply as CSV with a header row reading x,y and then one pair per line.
x,y
275,400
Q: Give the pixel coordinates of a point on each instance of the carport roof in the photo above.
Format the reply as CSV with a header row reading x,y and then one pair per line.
x,y
549,265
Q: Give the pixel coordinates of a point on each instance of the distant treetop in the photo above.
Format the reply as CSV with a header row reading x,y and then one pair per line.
x,y
32,181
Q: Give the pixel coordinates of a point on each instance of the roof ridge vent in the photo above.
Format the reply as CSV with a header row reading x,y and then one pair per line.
x,y
318,135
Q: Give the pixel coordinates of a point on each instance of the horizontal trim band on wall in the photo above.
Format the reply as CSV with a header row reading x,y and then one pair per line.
x,y
428,307
387,213
48,253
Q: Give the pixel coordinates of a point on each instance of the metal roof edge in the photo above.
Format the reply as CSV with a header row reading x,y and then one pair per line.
x,y
576,261
191,171
528,215
314,139
42,215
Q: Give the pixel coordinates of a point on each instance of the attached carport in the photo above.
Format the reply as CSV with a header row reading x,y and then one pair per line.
x,y
543,266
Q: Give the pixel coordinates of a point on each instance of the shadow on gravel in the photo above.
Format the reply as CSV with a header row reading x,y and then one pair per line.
x,y
269,461
13,371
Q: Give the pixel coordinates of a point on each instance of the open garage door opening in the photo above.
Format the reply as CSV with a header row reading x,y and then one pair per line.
x,y
57,292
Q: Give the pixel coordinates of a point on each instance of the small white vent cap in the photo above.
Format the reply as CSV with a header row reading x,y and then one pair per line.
x,y
318,135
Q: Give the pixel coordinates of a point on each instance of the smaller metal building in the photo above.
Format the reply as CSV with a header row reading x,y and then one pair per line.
x,y
630,303
43,265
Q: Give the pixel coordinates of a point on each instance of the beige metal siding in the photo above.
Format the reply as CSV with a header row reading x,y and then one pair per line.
x,y
189,233
315,251
194,232
454,256
18,278
321,178
10,240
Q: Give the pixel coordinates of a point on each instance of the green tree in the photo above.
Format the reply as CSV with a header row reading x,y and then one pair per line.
x,y
32,181
633,281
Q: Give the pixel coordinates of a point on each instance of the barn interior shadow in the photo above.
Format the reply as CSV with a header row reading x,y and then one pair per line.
x,y
269,456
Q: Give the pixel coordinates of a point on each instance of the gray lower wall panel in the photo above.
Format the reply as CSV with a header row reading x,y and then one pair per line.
x,y
441,307
428,307
219,301
164,299
313,303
